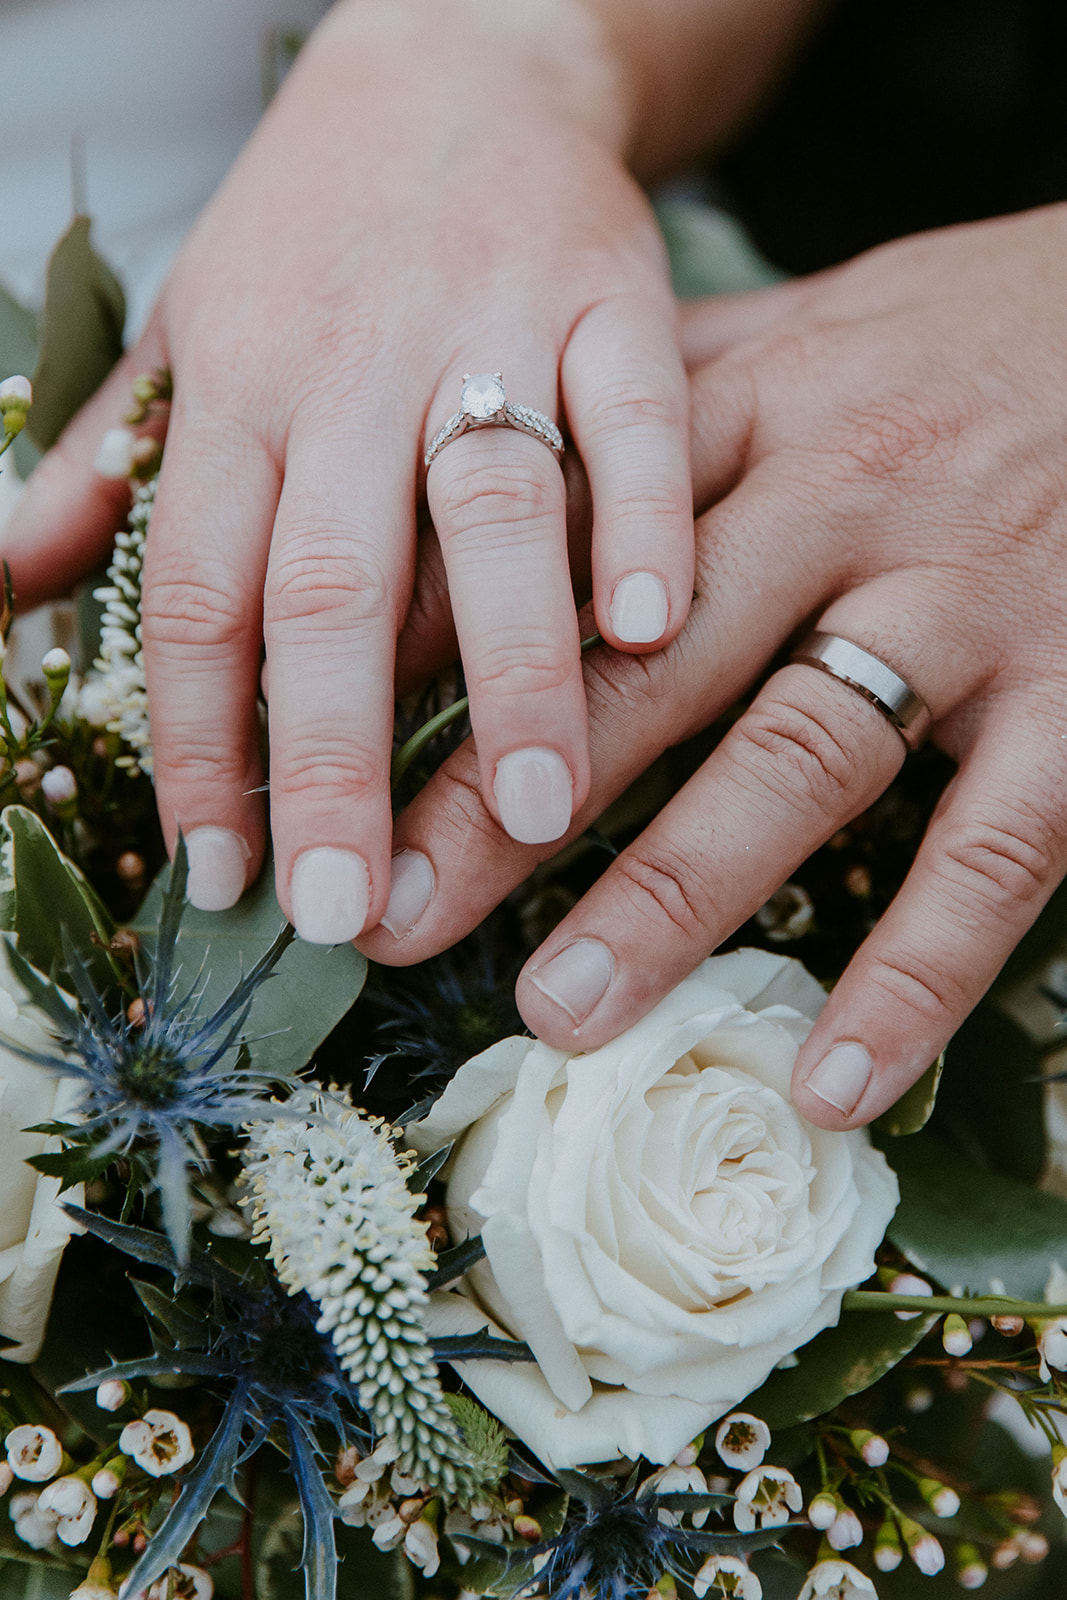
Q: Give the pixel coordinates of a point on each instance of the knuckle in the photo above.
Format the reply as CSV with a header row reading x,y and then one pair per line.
x,y
203,611
461,814
476,493
519,667
798,753
910,981
325,574
328,768
995,862
191,767
660,888
628,403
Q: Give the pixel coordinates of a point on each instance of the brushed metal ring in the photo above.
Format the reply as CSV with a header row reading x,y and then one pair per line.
x,y
870,677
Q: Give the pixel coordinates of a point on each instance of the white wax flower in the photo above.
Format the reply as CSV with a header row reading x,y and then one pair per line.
x,y
730,1576
74,1503
159,1442
661,1225
1052,1335
17,388
33,1526
114,455
845,1531
766,1497
193,1584
1059,1478
836,1580
742,1440
33,1453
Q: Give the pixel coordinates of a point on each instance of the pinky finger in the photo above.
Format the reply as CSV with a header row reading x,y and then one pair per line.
x,y
64,523
994,853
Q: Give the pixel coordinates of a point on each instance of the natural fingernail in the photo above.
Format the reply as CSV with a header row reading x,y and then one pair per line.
x,y
411,887
577,979
639,608
330,893
218,866
841,1077
534,794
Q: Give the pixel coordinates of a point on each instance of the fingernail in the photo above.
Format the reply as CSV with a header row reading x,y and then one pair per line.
x,y
330,892
639,608
577,979
411,887
841,1077
534,795
218,866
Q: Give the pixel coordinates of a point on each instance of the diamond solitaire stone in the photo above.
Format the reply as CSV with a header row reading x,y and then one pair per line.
x,y
482,396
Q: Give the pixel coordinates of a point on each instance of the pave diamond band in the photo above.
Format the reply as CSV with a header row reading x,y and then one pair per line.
x,y
483,403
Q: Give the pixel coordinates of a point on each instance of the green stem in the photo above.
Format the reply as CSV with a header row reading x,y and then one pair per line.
x,y
939,1304
413,747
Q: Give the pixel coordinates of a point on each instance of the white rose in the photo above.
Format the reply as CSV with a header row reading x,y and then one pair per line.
x,y
34,1228
660,1224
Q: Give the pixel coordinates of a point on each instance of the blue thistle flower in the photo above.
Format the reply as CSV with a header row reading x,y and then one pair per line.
x,y
258,1346
614,1544
154,1087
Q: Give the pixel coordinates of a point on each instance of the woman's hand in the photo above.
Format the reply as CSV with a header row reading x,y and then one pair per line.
x,y
437,190
882,450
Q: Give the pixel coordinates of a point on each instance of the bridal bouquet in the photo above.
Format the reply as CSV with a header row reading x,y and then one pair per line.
x,y
323,1282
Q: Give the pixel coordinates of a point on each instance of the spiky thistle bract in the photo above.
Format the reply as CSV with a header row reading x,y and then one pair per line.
x,y
156,1086
613,1544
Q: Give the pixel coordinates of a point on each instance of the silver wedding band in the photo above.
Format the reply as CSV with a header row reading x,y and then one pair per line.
x,y
484,404
877,682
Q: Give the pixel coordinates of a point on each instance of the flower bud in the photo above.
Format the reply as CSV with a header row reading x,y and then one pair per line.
x,y
908,1283
97,1584
27,777
971,1570
955,1335
919,1397
114,456
1009,1326
822,1510
56,669
109,1480
845,1531
60,789
871,1446
528,1528
16,397
113,1394
943,1501
1033,1546
923,1548
888,1553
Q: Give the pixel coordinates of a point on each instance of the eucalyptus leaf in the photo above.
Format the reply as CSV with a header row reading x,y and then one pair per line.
x,y
837,1363
308,993
80,334
29,1575
973,1230
42,893
913,1110
710,253
18,338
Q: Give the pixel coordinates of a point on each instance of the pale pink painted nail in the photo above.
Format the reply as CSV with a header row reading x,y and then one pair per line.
x,y
411,886
534,793
639,608
330,891
218,867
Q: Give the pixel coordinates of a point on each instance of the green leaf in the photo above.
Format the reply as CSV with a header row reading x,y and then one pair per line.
x,y
292,1012
41,893
709,252
81,333
991,1102
18,338
366,1572
78,1164
838,1362
452,1264
913,1110
971,1229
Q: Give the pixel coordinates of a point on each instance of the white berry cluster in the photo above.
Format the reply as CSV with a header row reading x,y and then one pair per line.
x,y
120,686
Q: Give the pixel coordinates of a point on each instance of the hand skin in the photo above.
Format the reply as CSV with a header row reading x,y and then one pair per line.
x,y
881,449
438,188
